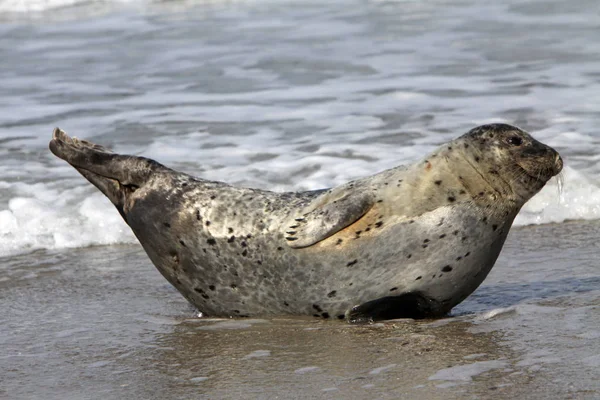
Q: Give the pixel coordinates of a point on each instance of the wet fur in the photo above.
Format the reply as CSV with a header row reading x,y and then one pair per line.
x,y
408,242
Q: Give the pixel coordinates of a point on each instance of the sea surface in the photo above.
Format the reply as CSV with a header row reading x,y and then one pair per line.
x,y
290,95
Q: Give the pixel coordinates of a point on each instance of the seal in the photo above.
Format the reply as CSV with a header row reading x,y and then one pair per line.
x,y
411,241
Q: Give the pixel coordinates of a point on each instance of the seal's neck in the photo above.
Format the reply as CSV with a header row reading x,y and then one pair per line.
x,y
448,175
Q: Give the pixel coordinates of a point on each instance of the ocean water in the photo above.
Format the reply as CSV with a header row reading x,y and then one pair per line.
x,y
290,95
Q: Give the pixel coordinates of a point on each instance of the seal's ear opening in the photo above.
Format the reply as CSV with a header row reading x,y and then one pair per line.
x,y
117,176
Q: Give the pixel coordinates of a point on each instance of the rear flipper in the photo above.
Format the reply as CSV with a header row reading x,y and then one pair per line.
x,y
115,175
409,305
81,154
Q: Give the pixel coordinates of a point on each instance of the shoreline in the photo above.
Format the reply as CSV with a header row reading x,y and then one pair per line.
x,y
102,320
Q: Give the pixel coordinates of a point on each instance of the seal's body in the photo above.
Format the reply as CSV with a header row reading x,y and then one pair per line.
x,y
408,242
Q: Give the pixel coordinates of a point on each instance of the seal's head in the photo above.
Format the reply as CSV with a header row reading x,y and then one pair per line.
x,y
515,164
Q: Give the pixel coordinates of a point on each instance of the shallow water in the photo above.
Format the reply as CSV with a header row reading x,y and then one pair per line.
x,y
289,95
102,322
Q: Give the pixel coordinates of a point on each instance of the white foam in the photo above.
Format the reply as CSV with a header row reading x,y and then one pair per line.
x,y
68,212
54,220
579,200
29,6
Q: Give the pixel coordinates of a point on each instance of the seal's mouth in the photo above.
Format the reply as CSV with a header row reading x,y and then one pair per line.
x,y
544,173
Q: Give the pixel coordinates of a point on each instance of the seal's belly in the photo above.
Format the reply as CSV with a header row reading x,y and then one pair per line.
x,y
444,254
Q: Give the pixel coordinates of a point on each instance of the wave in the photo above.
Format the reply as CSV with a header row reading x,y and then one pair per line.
x,y
44,216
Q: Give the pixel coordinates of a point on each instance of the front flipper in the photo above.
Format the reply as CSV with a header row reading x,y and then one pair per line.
x,y
326,215
408,305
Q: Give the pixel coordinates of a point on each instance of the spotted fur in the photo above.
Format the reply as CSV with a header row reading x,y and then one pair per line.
x,y
410,241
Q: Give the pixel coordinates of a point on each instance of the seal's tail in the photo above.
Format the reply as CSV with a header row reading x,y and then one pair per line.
x,y
116,175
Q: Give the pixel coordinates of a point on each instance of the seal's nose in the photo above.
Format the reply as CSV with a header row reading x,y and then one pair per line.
x,y
558,163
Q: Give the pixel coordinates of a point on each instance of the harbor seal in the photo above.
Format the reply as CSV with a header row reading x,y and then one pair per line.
x,y
412,241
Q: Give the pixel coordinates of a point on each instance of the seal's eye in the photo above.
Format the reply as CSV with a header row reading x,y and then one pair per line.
x,y
515,140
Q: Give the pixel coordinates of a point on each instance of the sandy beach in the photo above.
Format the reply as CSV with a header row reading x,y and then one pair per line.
x,y
101,322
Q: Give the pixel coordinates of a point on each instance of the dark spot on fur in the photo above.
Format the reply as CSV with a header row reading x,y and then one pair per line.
x,y
341,316
248,236
230,230
351,283
458,258
462,192
231,239
455,232
285,303
443,235
394,288
332,293
462,239
378,224
426,241
424,246
325,315
280,248
339,241
409,256
317,308
213,197
438,183
380,201
351,263
412,221
244,244
468,254
367,229
233,286
211,241
236,311
183,243
477,159
449,147
451,199
418,277
289,238
316,315
199,290
447,268
358,233
207,223
466,145
206,296
484,219
494,227
481,193
168,225
245,252
198,216
212,287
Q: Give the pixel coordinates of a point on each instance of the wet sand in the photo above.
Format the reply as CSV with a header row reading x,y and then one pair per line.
x,y
101,322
